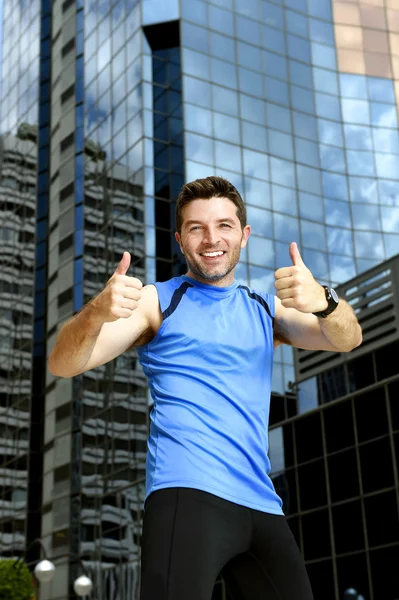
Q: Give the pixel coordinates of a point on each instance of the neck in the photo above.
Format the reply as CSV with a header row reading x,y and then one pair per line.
x,y
223,282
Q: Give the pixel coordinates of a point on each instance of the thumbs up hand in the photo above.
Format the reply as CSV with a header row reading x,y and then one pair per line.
x,y
121,295
296,286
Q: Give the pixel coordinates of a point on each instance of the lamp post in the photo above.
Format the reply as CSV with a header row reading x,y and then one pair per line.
x,y
45,570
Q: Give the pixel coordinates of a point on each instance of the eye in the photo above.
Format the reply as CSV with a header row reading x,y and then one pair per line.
x,y
194,228
226,225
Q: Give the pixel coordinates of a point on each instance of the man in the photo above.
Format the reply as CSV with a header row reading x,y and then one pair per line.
x,y
206,345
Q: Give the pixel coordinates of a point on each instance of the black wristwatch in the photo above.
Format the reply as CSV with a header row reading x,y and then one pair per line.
x,y
332,299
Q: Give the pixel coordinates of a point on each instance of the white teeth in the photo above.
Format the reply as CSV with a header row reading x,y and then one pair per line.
x,y
211,254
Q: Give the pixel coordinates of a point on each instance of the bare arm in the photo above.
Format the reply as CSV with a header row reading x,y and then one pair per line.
x,y
339,332
107,326
298,296
84,342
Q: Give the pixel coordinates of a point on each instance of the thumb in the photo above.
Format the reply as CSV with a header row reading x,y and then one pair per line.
x,y
295,256
124,265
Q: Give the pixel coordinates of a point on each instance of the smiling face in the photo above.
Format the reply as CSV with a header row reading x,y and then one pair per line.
x,y
211,240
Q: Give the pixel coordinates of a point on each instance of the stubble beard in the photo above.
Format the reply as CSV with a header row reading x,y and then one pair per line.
x,y
195,267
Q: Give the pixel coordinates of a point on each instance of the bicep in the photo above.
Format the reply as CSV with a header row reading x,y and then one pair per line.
x,y
301,330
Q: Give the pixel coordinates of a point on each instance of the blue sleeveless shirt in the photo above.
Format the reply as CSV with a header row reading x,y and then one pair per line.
x,y
209,369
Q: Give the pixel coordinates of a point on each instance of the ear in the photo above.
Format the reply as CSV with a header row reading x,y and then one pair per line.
x,y
246,232
178,240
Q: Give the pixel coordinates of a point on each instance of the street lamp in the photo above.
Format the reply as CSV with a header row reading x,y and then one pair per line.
x,y
45,570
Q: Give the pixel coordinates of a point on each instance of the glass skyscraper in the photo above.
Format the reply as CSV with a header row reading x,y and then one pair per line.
x,y
114,105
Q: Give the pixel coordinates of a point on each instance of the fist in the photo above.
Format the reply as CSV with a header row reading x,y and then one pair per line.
x,y
297,288
121,295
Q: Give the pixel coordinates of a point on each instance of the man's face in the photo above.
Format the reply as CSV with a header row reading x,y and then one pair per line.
x,y
211,239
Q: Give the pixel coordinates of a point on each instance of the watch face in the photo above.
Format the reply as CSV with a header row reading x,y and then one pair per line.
x,y
334,295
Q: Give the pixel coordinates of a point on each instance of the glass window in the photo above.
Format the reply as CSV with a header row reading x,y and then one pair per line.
x,y
226,128
353,86
313,235
308,179
330,132
250,82
277,91
256,164
381,89
272,39
325,81
302,99
248,30
298,48
221,20
286,228
383,115
386,140
282,172
274,65
321,9
221,46
299,5
248,56
272,15
296,23
391,242
194,37
340,240
193,10
327,106
335,186
254,136
301,74
224,73
358,137
196,170
197,91
369,245
360,163
280,144
261,279
228,156
307,152
305,126
196,64
363,190
284,199
321,32
258,193
323,56
197,119
279,116
276,450
317,262
366,216
332,159
342,268
337,213
225,101
390,219
311,207
261,251
308,397
250,8
253,109
389,192
387,165
355,111
224,3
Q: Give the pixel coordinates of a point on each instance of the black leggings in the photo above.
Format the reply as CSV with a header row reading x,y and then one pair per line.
x,y
190,536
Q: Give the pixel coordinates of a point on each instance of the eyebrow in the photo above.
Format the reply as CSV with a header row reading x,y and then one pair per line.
x,y
196,221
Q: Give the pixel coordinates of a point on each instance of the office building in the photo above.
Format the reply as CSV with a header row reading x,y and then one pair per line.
x,y
336,456
295,102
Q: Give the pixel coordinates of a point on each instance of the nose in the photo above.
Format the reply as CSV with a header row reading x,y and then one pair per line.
x,y
211,236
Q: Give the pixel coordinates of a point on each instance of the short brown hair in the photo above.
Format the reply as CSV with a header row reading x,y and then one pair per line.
x,y
205,189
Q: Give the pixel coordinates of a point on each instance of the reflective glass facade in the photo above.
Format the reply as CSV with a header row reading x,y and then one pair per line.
x,y
295,101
